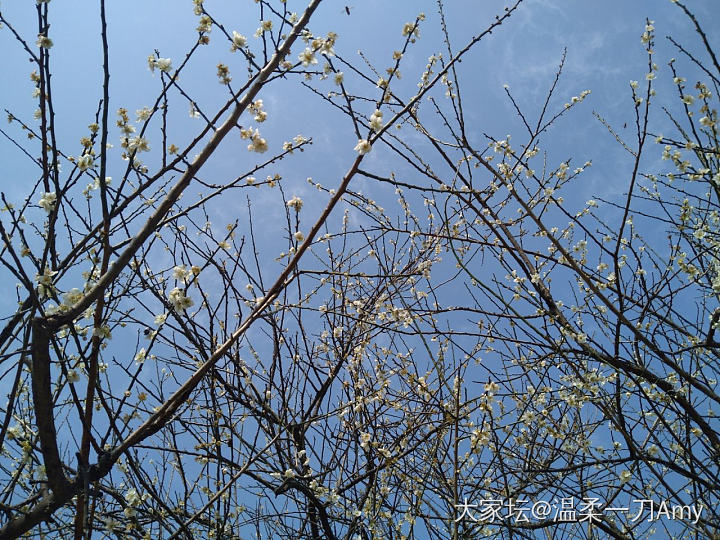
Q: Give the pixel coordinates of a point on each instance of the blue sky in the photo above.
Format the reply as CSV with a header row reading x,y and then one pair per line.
x,y
602,40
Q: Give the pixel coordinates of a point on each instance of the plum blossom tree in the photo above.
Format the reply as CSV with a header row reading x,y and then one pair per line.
x,y
426,343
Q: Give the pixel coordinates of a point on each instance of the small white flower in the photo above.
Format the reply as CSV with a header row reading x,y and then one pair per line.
x,y
14,432
706,121
363,147
625,477
47,201
295,203
365,439
410,28
376,120
299,236
132,497
85,162
164,64
180,272
45,282
258,144
137,144
238,40
143,114
179,301
44,41
102,332
72,297
111,524
307,57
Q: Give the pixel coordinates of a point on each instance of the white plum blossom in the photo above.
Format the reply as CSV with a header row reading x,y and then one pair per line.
x,y
133,498
363,147
376,120
45,282
238,40
44,41
265,26
411,28
179,301
365,439
326,47
72,297
47,201
111,523
102,332
164,64
258,144
296,203
14,432
257,108
137,144
85,162
180,272
143,114
307,57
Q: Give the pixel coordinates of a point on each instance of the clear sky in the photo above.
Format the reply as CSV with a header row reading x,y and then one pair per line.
x,y
602,39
